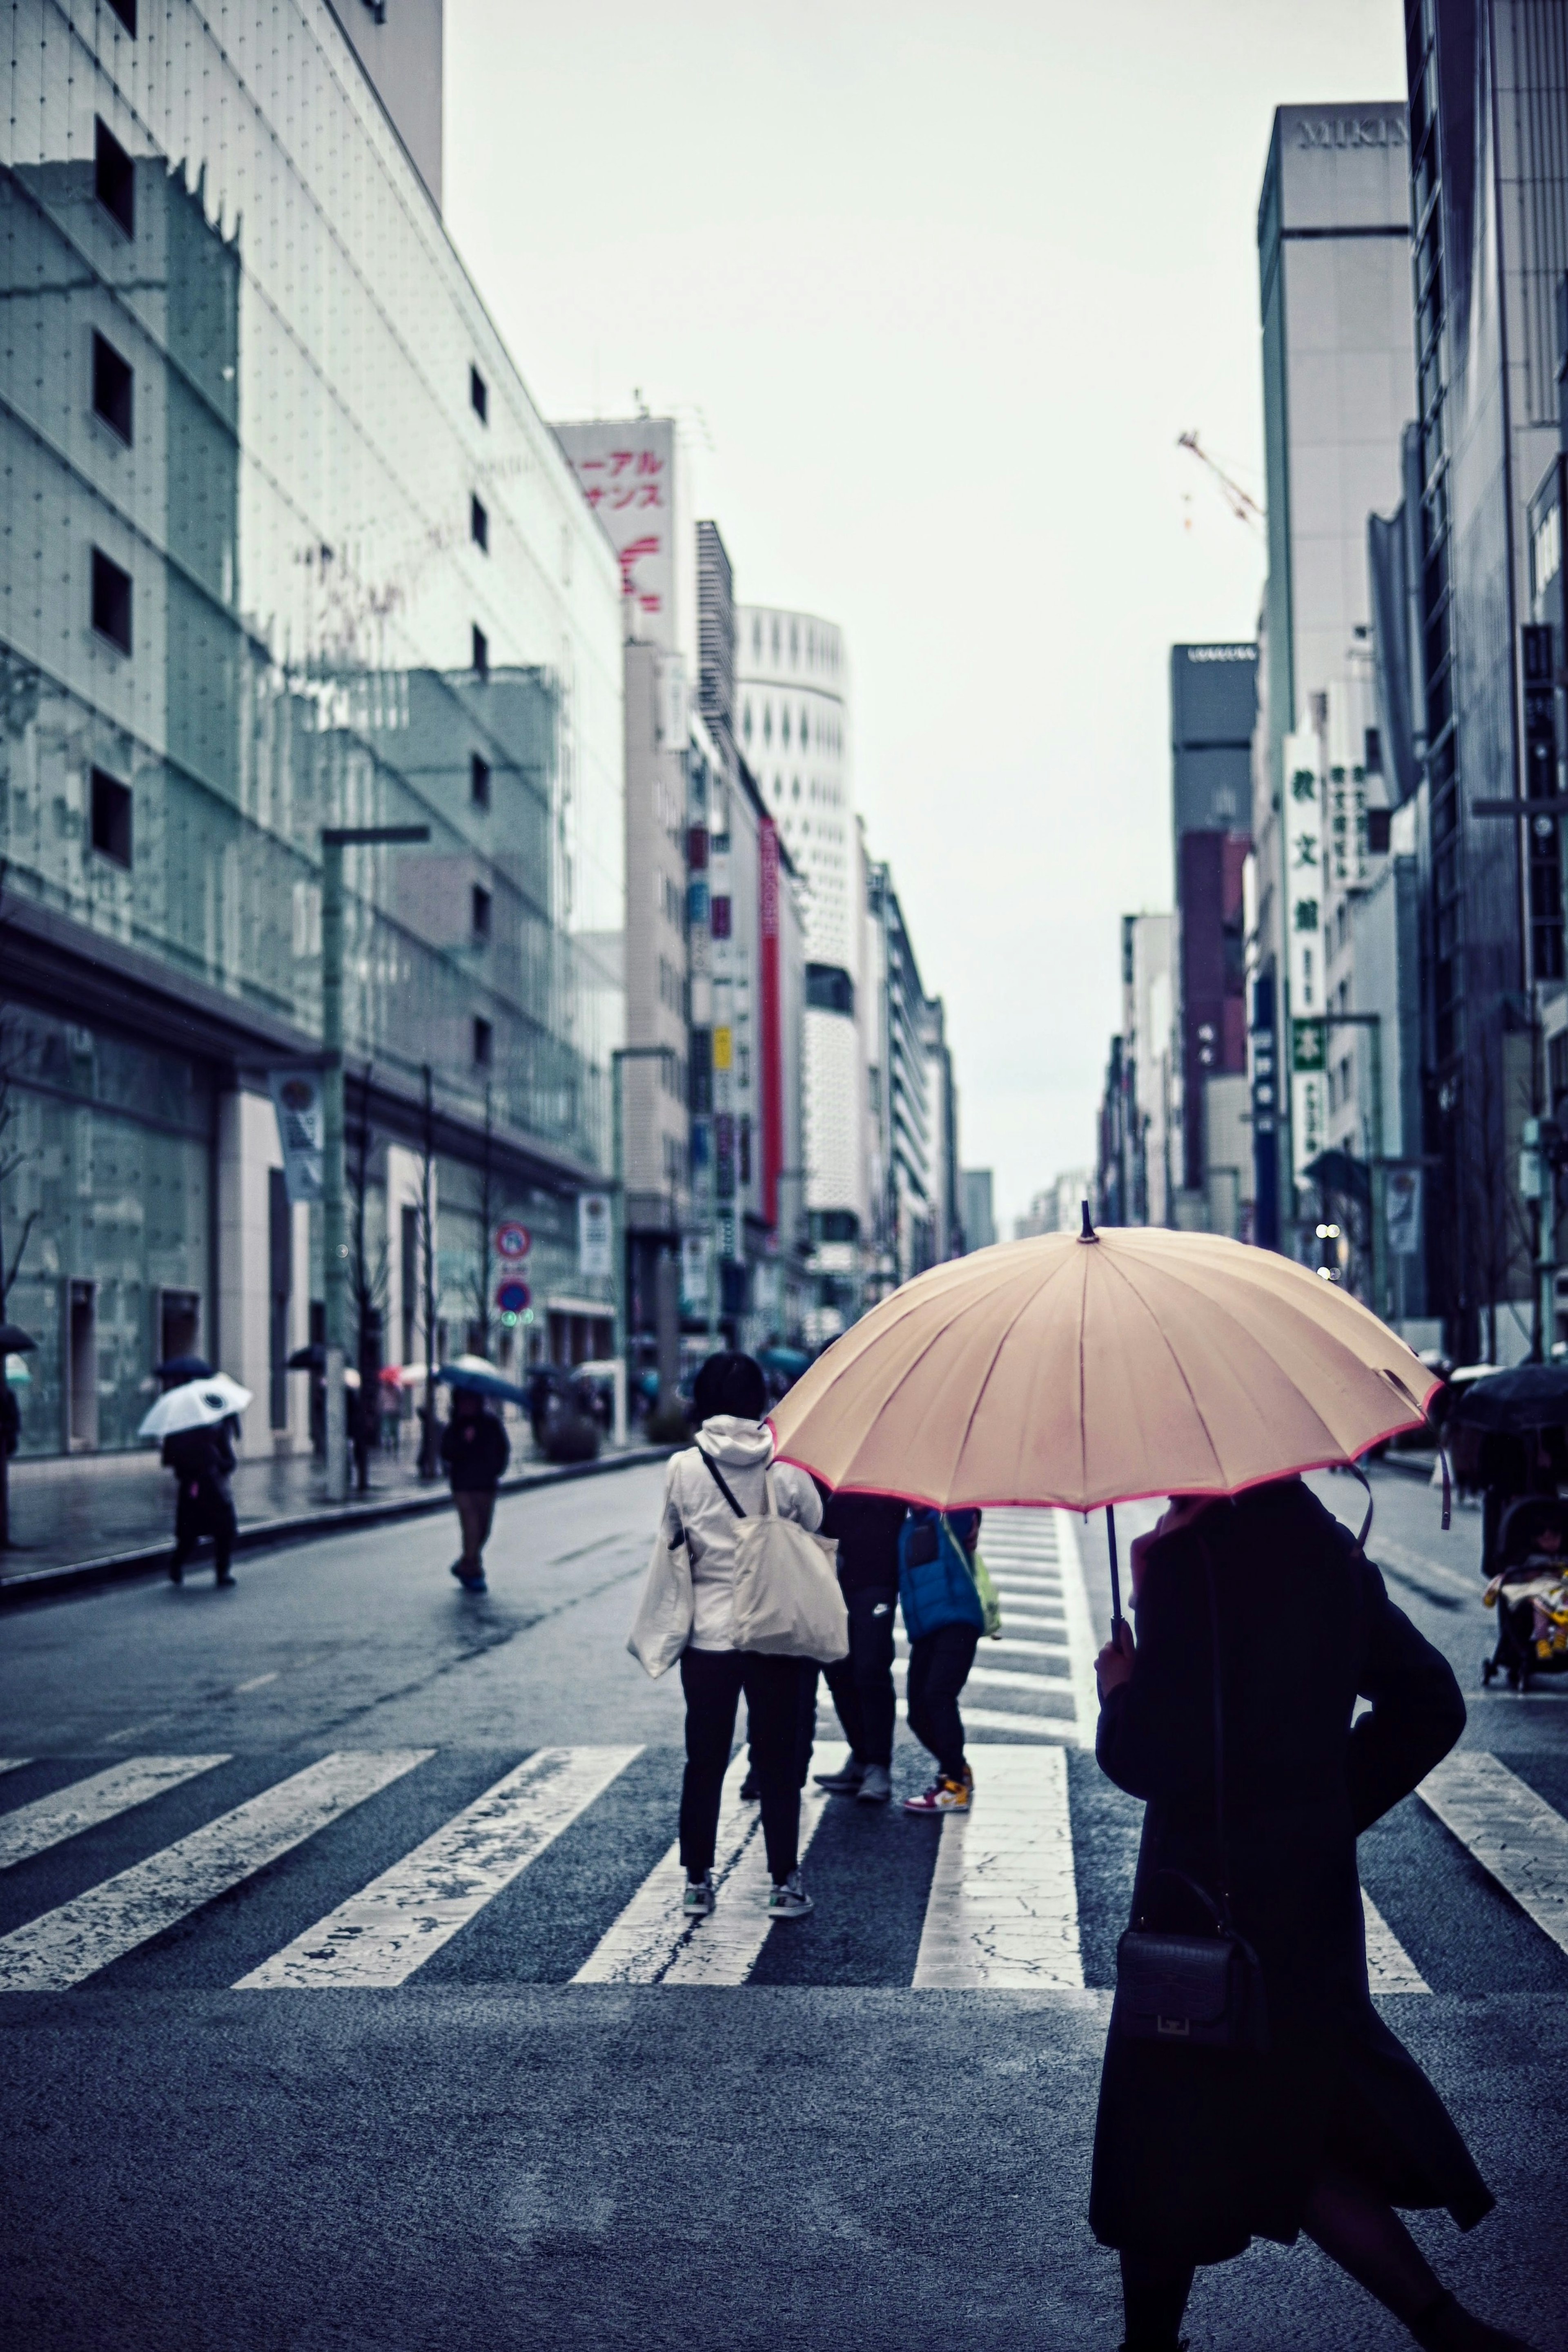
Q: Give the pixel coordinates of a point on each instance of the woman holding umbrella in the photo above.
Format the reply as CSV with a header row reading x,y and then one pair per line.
x,y
1257,2091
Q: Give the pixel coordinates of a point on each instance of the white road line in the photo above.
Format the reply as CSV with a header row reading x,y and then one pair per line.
x,y
1054,1695
649,1943
1389,1967
1003,1906
1027,1727
48,1820
381,1935
1004,1645
14,1763
66,1945
1513,1833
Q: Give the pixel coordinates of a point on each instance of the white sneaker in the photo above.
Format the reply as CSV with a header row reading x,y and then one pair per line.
x,y
698,1899
789,1901
877,1785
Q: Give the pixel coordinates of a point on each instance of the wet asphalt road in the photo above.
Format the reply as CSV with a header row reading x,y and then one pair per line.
x,y
488,2155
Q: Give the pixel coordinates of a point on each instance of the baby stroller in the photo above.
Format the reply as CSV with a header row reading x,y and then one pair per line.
x,y
1529,1590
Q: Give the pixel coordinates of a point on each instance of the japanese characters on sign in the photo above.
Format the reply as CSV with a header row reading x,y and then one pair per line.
x,y
296,1100
1306,891
627,471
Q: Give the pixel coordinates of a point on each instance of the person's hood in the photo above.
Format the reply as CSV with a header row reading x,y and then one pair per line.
x,y
736,1444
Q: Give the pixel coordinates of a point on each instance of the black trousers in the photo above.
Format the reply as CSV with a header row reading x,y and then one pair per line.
x,y
191,1523
861,1684
712,1681
939,1666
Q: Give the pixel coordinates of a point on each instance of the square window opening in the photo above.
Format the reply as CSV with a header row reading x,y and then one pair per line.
x,y
113,388
115,178
481,912
479,395
483,1044
481,662
111,601
111,817
478,525
478,780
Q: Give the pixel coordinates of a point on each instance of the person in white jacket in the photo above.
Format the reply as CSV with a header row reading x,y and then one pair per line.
x,y
707,1491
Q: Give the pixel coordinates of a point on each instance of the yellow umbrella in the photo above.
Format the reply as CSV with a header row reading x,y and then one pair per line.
x,y
1092,1369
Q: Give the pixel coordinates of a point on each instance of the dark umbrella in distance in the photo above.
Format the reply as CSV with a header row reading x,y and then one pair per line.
x,y
178,1369
14,1341
480,1378
1506,1404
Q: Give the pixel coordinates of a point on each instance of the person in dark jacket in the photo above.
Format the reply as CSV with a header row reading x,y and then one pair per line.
x,y
202,1461
944,1620
1334,2124
866,1528
475,1450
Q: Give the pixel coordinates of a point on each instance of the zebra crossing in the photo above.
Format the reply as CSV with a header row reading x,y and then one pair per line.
x,y
1023,1893
1001,1887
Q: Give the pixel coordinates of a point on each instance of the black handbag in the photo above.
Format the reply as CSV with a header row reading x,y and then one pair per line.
x,y
1204,1991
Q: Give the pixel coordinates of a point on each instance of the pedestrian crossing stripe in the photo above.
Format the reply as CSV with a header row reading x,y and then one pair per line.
x,y
1001,1908
80,1937
392,1926
49,1821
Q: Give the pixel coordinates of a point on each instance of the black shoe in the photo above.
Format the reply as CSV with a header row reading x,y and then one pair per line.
x,y
225,1576
1448,2326
751,1790
176,1571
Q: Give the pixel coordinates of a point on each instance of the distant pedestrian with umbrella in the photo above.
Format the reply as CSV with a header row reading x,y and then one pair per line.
x,y
1250,2087
475,1450
197,1423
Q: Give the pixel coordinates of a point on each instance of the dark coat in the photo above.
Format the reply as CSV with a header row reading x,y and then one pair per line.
x,y
475,1450
203,1460
1196,2151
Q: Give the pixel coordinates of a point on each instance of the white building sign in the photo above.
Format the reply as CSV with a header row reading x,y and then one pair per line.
x,y
1306,884
595,1248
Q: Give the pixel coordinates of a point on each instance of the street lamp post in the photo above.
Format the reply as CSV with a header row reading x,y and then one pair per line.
x,y
335,839
619,1057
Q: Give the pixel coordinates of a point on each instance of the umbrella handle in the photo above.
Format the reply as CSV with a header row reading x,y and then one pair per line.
x,y
1116,1570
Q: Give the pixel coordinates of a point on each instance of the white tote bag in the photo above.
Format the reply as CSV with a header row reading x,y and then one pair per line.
x,y
662,1625
787,1603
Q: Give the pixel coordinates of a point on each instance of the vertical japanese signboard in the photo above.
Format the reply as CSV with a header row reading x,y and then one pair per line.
x,y
1305,883
771,1024
628,470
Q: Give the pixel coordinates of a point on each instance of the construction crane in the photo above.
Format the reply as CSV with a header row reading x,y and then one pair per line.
x,y
1242,505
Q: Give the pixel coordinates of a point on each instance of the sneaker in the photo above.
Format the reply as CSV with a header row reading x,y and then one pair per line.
x,y
944,1796
844,1782
789,1901
751,1790
698,1899
877,1787
460,1570
225,1576
474,1583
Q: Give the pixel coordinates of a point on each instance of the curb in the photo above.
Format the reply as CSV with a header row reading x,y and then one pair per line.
x,y
267,1535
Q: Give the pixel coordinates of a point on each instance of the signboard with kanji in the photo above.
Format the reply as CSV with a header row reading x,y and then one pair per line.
x,y
629,470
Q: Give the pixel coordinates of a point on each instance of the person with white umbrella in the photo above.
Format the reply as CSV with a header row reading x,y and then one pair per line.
x,y
197,1423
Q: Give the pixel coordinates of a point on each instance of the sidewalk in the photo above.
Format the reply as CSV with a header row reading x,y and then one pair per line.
x,y
86,1517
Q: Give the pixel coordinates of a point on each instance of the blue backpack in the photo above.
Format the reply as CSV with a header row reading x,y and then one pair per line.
x,y
935,1585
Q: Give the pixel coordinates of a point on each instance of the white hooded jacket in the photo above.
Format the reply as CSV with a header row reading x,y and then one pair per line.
x,y
743,1451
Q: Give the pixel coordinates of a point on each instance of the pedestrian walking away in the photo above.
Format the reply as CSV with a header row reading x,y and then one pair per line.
x,y
943,1617
866,1529
709,1488
202,1461
475,1450
1259,1620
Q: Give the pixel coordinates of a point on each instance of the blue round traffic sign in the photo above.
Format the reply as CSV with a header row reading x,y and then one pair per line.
x,y
513,1295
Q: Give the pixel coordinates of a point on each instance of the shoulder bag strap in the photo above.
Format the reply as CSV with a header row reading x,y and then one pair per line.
x,y
1219,1739
720,1482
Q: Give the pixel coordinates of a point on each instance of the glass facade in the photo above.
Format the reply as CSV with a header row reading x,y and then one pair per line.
x,y
286,545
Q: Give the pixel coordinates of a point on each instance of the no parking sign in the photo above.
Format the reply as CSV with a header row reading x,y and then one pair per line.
x,y
513,1241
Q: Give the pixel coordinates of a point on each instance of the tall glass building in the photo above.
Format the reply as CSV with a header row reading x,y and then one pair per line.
x,y
287,546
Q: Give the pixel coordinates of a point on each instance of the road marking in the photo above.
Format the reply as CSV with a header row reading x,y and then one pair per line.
x,y
1050,1695
66,1945
653,1942
1513,1833
48,1820
1004,1645
257,1682
1080,1630
381,1935
1003,1906
1389,1967
14,1763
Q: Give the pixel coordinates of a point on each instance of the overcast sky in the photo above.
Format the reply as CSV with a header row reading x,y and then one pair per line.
x,y
941,287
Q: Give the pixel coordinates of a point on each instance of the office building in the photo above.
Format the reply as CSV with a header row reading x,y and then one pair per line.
x,y
288,547
975,1193
1213,713
1489,201
1338,375
791,697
